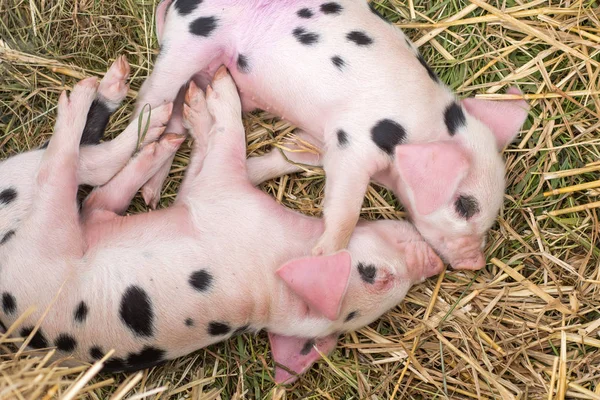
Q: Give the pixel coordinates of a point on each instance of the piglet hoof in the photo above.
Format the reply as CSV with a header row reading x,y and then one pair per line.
x,y
196,117
75,107
223,100
221,73
153,122
113,87
151,196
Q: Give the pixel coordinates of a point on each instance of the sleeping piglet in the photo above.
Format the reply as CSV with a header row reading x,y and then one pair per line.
x,y
360,90
224,259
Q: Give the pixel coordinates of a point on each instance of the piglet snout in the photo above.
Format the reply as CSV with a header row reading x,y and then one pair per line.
x,y
469,253
421,261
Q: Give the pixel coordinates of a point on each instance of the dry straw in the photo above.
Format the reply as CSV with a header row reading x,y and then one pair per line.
x,y
525,327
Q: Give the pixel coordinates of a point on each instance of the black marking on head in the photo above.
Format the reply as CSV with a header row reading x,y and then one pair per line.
x,y
96,122
136,311
9,303
81,312
338,62
305,13
342,137
65,342
38,341
387,134
367,273
189,322
432,74
201,280
242,64
308,346
360,38
241,329
9,235
7,196
96,353
454,117
351,316
114,364
148,357
466,206
374,11
304,37
331,8
203,26
186,7
218,328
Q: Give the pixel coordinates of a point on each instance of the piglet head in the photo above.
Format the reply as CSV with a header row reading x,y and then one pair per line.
x,y
356,286
453,189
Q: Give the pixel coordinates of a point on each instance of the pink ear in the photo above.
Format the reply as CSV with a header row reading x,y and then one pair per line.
x,y
297,354
161,16
432,171
321,281
504,118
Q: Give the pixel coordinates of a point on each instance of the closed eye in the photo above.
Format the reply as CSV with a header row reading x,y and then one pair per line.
x,y
466,206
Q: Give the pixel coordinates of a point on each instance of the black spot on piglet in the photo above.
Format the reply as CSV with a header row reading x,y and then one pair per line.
x,y
65,342
304,37
96,122
466,206
38,341
304,13
218,328
338,62
186,7
203,26
387,134
96,353
351,316
201,280
367,272
7,196
81,312
136,311
308,346
9,235
342,137
360,38
9,303
454,117
242,63
148,357
331,8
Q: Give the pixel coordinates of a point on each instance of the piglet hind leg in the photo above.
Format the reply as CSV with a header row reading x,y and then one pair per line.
x,y
116,195
55,208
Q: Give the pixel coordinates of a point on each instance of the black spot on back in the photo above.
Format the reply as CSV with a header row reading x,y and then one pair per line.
x,y
351,316
38,341
7,196
342,138
387,134
148,357
81,312
9,235
218,328
360,38
308,346
374,11
331,8
65,342
9,303
338,62
304,37
242,63
136,311
466,206
203,26
185,7
189,322
96,122
367,272
432,74
96,353
454,117
114,364
304,13
201,280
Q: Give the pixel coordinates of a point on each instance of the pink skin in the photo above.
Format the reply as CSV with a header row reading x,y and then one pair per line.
x,y
300,83
203,260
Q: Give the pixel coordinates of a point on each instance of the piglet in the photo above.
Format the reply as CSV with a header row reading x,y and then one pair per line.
x,y
224,259
361,91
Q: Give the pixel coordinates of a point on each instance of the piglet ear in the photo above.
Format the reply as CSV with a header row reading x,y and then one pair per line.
x,y
320,281
161,16
297,354
504,118
432,172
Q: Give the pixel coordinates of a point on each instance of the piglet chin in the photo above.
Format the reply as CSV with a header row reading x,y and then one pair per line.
x,y
472,263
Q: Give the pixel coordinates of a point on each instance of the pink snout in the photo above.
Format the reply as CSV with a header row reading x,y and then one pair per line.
x,y
466,253
421,261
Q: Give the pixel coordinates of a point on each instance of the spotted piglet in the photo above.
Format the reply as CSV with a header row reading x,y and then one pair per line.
x,y
360,90
160,285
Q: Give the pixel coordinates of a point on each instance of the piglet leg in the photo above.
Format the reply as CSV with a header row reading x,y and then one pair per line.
x,y
117,194
274,164
55,207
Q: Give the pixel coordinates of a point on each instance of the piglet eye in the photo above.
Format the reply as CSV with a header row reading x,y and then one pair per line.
x,y
466,206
